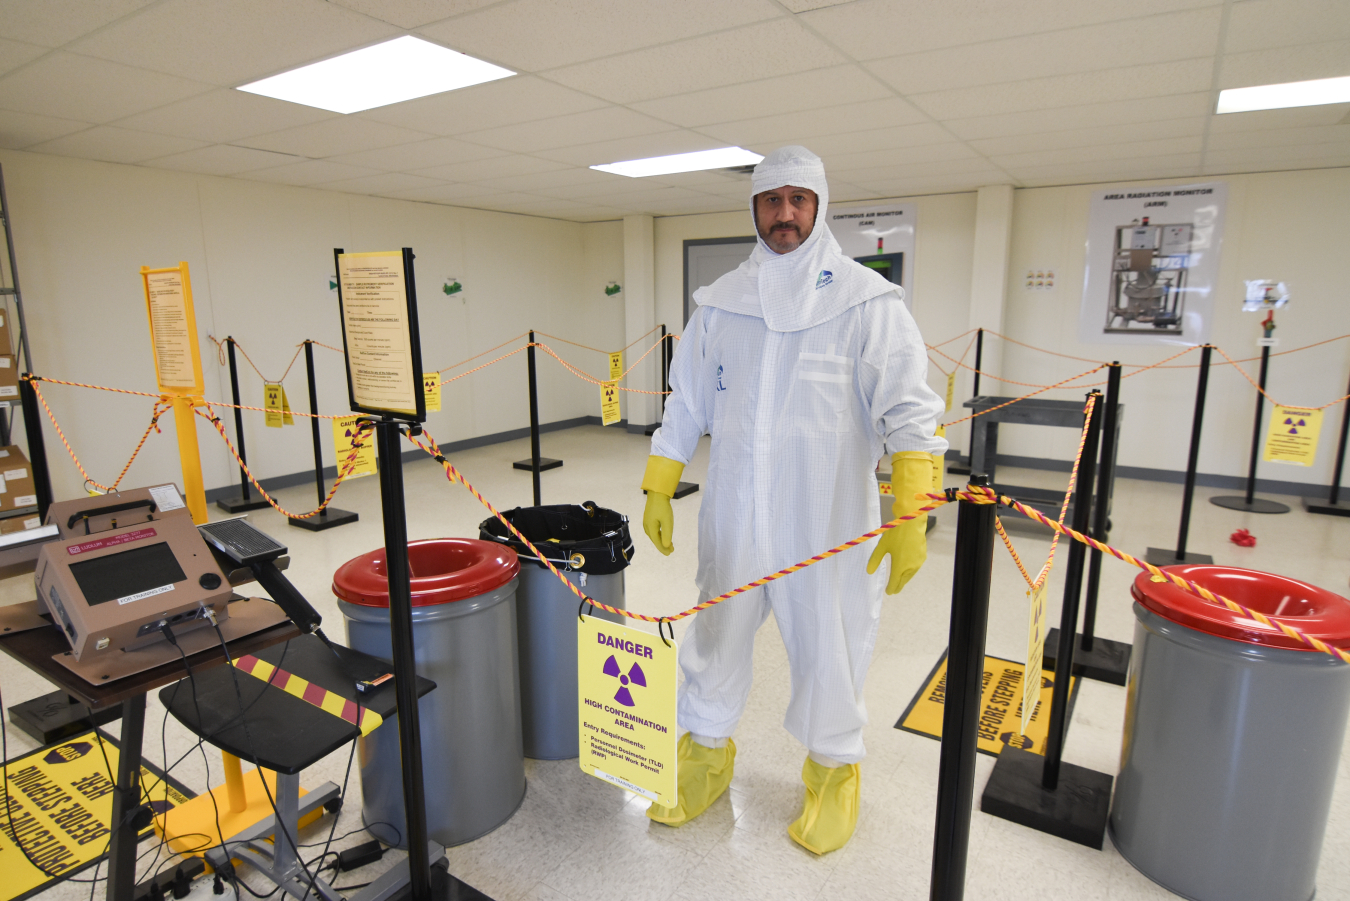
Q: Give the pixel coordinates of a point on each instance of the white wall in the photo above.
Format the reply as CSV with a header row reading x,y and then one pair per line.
x,y
260,256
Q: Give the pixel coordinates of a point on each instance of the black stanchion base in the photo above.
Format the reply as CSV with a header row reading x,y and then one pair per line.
x,y
328,519
1075,811
1258,505
961,467
1108,661
1163,557
444,887
52,717
1317,506
684,489
545,463
239,505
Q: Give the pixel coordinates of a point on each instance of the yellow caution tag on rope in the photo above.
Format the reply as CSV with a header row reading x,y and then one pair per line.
x,y
344,435
431,386
1293,435
951,388
286,417
609,403
616,365
626,681
1031,685
274,417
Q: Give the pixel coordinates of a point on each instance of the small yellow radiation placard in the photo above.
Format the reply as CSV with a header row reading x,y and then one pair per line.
x,y
1293,435
1000,707
616,365
344,434
277,406
626,682
951,388
431,386
609,403
885,488
286,417
1031,692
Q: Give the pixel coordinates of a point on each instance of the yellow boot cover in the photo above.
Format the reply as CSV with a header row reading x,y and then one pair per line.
x,y
830,810
704,774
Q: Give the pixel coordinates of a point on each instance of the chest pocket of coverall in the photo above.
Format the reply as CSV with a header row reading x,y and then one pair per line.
x,y
821,389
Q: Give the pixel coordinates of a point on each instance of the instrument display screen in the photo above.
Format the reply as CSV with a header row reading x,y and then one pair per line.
x,y
123,576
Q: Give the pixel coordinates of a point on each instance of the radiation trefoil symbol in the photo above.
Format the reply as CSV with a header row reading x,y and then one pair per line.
x,y
635,677
1294,430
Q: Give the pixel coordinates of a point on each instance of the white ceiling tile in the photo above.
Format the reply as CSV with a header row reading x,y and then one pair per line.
x,y
228,42
1280,119
91,90
879,139
1328,59
917,185
384,184
310,172
504,202
15,53
332,137
495,167
1053,176
445,193
1136,82
507,101
640,147
1091,115
805,6
1112,45
788,94
606,123
114,145
52,23
535,35
870,29
1287,157
1262,24
793,127
754,52
868,178
1279,137
418,155
871,159
1087,137
222,159
19,130
413,13
224,115
1111,170
579,179
1116,151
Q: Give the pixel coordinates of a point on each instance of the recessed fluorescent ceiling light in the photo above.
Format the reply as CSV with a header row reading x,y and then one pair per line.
x,y
1282,96
397,70
722,158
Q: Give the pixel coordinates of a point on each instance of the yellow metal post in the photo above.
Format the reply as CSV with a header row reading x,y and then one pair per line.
x,y
185,423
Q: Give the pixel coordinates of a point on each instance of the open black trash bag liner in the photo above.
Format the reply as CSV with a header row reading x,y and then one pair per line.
x,y
574,538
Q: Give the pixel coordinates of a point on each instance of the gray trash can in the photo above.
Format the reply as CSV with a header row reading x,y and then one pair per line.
x,y
592,547
1233,732
464,636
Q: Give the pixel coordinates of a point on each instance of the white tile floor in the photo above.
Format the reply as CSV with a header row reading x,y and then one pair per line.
x,y
580,839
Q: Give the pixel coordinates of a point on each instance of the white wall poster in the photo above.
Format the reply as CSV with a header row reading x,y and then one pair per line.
x,y
880,236
1152,264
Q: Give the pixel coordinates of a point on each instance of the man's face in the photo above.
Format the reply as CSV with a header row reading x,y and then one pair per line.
x,y
785,217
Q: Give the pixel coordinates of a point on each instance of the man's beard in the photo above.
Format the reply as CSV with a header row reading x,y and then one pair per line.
x,y
775,236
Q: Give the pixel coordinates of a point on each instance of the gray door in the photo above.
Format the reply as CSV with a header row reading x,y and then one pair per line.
x,y
708,259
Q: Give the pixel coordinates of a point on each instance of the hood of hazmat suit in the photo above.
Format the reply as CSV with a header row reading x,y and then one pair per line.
x,y
812,284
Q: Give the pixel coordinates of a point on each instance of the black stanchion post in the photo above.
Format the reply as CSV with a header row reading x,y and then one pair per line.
x,y
245,501
682,489
37,447
1332,505
1044,793
1249,502
388,435
536,464
331,516
665,379
1164,556
960,468
961,709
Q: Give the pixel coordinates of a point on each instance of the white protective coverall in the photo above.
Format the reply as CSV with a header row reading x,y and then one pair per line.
x,y
803,367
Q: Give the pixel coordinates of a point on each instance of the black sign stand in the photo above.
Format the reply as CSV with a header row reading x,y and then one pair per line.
x,y
331,516
1249,502
1164,557
1332,505
245,500
535,464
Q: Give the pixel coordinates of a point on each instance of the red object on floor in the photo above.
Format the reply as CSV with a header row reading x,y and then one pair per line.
x,y
1243,538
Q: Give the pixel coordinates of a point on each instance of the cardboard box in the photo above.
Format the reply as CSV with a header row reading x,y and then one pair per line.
x,y
6,341
19,524
9,377
16,480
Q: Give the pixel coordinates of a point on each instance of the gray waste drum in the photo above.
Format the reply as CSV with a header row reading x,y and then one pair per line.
x,y
1233,733
591,546
464,639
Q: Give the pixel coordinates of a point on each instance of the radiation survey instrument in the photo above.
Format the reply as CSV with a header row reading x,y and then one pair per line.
x,y
125,566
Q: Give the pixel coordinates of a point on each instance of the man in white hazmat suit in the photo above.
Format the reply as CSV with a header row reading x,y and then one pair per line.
x,y
805,367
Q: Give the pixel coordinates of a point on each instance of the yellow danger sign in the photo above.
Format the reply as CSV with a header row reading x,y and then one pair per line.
x,y
616,365
60,811
1293,434
431,386
1000,707
609,403
1035,656
626,682
344,435
951,388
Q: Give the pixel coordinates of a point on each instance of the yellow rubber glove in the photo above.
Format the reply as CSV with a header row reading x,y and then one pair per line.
x,y
660,481
907,543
